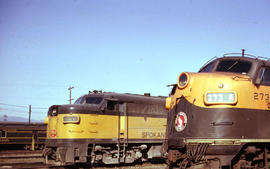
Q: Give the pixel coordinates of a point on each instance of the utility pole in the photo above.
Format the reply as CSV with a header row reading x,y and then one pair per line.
x,y
29,114
70,88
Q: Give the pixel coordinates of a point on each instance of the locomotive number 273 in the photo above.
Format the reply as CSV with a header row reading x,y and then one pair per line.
x,y
261,96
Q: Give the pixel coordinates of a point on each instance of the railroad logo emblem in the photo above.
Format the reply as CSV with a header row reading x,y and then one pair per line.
x,y
180,121
53,133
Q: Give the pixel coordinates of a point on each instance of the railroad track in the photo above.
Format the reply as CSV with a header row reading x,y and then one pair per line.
x,y
146,165
21,159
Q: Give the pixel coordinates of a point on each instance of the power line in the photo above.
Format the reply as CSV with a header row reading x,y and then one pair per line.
x,y
39,108
20,111
13,110
12,105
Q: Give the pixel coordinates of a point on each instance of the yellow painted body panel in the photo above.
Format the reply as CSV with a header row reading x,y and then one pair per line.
x,y
94,126
51,126
89,126
146,128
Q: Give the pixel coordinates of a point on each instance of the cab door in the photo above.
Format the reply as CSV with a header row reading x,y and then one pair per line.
x,y
123,121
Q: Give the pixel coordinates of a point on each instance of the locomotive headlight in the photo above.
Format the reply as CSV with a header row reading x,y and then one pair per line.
x,y
220,98
71,119
54,112
183,80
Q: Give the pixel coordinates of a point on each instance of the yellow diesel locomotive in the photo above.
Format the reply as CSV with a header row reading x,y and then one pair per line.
x,y
105,128
220,116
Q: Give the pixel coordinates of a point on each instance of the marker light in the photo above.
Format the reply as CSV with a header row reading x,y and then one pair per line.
x,y
168,103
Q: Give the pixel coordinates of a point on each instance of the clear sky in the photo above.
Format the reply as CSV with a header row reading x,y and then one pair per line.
x,y
126,46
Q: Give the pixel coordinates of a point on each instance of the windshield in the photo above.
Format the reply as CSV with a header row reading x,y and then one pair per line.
x,y
89,100
78,101
93,100
208,68
235,66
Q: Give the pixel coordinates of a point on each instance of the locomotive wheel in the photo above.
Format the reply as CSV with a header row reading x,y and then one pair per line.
x,y
254,157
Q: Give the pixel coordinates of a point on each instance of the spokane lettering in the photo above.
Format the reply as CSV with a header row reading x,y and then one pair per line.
x,y
153,134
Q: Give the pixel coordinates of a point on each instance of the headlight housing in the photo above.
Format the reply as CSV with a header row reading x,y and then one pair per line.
x,y
228,97
183,80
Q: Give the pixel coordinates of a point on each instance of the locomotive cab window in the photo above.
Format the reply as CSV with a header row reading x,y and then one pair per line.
x,y
79,100
234,66
264,76
111,105
208,68
88,100
93,100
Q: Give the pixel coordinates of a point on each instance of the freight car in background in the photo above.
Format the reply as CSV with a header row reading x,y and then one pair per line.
x,y
105,128
220,116
20,135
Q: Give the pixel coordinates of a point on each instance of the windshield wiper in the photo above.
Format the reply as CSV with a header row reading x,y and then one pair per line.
x,y
232,65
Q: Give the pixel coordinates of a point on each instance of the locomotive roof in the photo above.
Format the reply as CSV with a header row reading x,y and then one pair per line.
x,y
256,63
243,56
250,59
96,99
126,97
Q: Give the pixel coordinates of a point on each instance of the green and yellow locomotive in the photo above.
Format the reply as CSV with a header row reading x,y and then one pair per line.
x,y
108,128
220,116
